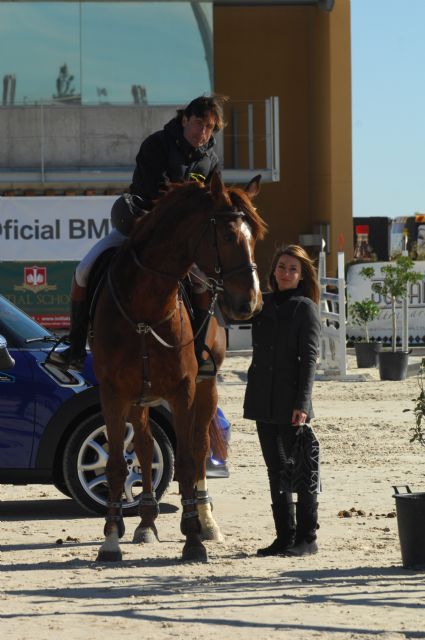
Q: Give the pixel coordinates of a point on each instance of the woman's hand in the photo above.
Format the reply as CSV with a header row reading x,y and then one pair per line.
x,y
298,417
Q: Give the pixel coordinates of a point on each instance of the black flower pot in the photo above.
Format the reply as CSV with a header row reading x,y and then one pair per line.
x,y
411,527
367,354
393,364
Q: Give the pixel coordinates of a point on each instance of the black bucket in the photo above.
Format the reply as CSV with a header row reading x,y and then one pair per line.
x,y
367,354
411,527
393,365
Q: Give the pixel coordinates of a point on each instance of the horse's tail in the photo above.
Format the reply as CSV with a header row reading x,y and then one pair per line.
x,y
219,432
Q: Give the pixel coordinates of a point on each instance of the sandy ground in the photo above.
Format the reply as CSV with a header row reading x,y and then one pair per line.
x,y
355,587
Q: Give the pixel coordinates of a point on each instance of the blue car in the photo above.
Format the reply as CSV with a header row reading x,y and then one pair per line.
x,y
51,426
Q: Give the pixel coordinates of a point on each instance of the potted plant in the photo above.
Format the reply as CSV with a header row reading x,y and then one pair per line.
x,y
417,431
361,313
393,285
411,505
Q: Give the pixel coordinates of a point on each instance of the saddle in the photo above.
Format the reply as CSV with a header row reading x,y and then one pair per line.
x,y
97,279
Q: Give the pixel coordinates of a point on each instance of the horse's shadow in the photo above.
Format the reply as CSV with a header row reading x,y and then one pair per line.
x,y
50,509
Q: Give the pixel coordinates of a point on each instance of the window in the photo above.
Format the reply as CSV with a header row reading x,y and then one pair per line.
x,y
105,52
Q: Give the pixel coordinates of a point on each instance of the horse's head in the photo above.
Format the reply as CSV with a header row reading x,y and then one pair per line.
x,y
225,251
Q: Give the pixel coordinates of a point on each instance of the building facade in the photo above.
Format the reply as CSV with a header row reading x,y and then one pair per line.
x,y
84,82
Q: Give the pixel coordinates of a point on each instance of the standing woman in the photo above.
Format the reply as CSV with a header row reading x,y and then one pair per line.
x,y
285,337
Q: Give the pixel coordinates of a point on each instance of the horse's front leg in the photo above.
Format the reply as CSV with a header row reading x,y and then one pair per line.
x,y
148,506
116,471
206,403
186,470
190,526
209,527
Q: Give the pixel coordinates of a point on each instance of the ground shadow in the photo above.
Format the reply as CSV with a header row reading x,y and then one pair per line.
x,y
50,509
206,598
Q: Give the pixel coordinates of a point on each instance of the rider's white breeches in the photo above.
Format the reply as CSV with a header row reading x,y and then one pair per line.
x,y
82,272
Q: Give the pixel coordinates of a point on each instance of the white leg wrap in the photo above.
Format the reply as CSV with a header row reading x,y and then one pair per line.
x,y
210,529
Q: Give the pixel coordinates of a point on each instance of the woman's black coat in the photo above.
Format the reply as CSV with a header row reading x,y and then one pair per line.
x,y
285,340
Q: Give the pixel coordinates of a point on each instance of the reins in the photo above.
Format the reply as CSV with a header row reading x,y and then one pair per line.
x,y
143,328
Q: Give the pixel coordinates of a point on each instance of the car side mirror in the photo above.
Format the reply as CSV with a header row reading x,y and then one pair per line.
x,y
6,360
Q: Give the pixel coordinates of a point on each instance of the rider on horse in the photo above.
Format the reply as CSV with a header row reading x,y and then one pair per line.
x,y
182,150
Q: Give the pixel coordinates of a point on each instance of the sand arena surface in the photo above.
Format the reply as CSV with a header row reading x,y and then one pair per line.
x,y
355,587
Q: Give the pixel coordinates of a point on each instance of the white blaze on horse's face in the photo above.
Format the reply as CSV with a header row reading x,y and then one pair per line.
x,y
248,235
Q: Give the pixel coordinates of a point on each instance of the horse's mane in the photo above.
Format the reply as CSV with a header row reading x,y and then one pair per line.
x,y
181,199
184,198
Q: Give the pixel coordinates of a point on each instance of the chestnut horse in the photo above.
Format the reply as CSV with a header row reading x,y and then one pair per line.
x,y
142,341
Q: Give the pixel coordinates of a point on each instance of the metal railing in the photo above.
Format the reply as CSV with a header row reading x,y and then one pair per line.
x,y
48,144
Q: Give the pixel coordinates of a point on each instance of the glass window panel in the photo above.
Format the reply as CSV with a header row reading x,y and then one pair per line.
x,y
111,52
37,39
143,51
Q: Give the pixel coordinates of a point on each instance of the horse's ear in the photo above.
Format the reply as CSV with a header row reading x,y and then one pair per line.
x,y
253,186
216,185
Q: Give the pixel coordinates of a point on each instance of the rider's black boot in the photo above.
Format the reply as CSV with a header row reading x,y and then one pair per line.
x,y
74,356
206,368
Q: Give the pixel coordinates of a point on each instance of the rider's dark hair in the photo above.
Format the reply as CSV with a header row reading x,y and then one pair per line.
x,y
202,106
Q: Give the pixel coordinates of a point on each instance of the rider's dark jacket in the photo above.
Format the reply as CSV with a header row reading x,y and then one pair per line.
x,y
166,156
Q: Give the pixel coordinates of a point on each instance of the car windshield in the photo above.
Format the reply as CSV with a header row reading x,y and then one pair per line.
x,y
16,326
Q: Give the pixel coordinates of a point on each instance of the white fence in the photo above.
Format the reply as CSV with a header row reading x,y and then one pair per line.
x,y
333,357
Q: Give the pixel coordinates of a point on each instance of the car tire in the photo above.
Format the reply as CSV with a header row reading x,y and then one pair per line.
x,y
84,462
60,485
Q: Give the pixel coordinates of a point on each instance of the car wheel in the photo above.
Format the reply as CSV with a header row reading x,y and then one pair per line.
x,y
85,458
60,485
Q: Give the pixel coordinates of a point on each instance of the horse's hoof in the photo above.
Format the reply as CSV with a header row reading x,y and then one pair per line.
x,y
212,533
109,556
144,535
194,554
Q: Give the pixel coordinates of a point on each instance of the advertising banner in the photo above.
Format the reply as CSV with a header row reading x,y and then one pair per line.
x,y
52,228
380,329
42,239
41,289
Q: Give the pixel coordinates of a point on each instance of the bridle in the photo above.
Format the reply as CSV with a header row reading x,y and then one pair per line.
x,y
217,281
214,282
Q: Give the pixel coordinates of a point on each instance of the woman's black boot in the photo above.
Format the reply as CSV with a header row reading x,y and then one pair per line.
x,y
284,520
305,539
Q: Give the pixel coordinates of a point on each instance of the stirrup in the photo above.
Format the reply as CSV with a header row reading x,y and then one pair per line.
x,y
64,360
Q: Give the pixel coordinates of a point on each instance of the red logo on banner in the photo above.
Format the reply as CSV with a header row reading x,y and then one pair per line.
x,y
35,276
35,279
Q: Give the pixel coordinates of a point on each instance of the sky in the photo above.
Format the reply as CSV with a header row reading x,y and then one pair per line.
x,y
388,107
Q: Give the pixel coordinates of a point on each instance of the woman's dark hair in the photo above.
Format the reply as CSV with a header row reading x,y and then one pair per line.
x,y
308,270
202,106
